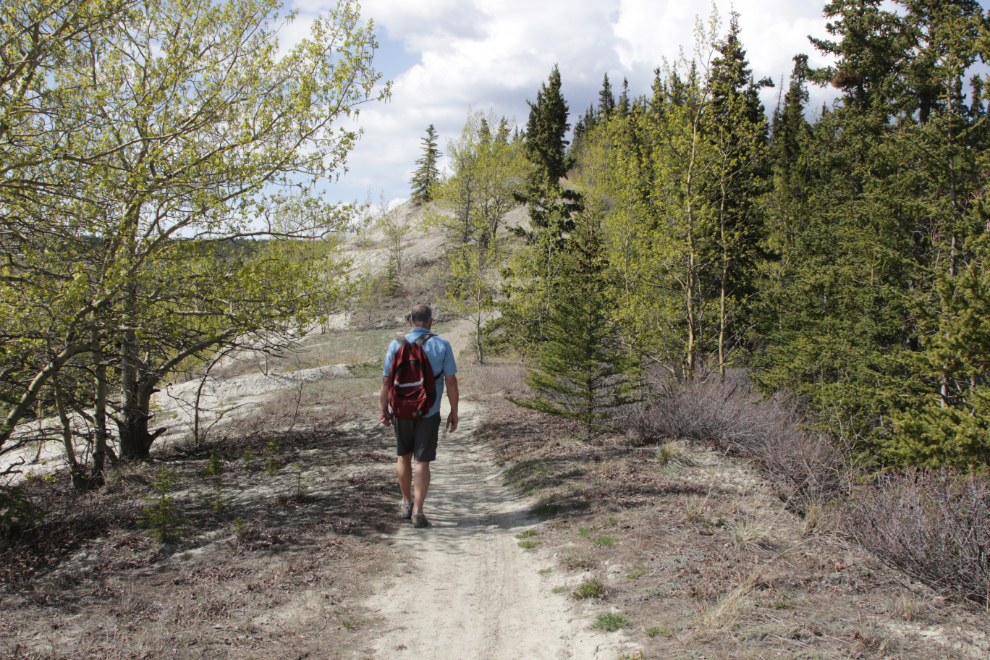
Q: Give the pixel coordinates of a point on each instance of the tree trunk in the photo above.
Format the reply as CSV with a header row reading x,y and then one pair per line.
x,y
132,425
78,482
722,288
135,440
99,414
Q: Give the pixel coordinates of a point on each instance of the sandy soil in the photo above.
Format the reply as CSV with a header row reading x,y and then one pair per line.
x,y
462,588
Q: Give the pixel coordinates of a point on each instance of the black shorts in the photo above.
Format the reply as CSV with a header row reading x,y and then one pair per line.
x,y
418,437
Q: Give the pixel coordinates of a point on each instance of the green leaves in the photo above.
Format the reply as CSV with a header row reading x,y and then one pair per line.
x,y
148,146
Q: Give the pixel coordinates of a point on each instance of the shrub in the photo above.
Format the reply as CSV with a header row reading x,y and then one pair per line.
x,y
300,488
932,524
250,459
272,465
218,502
805,466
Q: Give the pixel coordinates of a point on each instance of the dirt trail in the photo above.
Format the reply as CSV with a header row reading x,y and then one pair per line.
x,y
462,588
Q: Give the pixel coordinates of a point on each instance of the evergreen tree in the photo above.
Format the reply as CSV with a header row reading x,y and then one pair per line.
x,y
623,107
737,129
530,282
545,130
427,174
867,291
606,100
581,372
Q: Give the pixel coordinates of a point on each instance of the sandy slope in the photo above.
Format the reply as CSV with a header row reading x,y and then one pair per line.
x,y
462,588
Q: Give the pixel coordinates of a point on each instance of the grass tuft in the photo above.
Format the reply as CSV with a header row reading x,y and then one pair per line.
x,y
668,451
593,588
610,622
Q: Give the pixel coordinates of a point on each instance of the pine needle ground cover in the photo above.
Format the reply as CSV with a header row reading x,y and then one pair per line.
x,y
707,559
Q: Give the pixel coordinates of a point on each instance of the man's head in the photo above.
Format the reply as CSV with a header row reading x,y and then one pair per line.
x,y
421,316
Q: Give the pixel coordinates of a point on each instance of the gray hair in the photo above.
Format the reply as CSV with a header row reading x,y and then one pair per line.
x,y
421,315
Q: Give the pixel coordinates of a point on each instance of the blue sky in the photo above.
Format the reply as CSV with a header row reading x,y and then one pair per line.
x,y
448,56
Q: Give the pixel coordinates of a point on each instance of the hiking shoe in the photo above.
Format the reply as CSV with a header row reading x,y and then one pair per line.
x,y
406,510
419,520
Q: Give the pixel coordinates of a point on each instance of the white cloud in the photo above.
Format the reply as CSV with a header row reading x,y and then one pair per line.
x,y
445,56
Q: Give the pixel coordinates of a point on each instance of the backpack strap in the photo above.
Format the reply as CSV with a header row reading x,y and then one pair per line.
x,y
422,339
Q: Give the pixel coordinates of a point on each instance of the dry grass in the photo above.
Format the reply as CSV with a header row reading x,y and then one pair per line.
x,y
750,533
493,380
933,526
668,451
728,610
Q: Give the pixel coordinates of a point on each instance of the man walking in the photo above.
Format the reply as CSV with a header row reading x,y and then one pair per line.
x,y
416,439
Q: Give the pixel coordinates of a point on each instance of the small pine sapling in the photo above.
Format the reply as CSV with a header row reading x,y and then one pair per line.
x,y
300,487
272,465
250,459
164,519
217,501
215,467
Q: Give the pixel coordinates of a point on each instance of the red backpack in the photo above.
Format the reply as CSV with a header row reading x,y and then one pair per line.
x,y
412,387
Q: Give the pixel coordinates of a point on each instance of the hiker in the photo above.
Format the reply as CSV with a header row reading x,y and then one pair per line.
x,y
416,439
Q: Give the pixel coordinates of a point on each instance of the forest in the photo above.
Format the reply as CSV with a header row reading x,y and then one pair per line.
x,y
837,253
806,288
834,258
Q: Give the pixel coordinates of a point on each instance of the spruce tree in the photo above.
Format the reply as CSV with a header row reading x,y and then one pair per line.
x,y
581,372
736,126
606,100
530,283
872,272
427,174
623,107
546,128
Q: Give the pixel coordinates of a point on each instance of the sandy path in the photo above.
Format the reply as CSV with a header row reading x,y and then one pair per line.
x,y
463,589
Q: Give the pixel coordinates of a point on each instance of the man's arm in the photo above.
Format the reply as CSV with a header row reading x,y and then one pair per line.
x,y
385,418
452,397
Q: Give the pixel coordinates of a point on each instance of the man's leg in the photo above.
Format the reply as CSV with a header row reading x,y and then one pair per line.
x,y
403,468
422,485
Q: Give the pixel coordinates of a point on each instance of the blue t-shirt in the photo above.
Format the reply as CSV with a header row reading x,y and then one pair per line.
x,y
441,357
